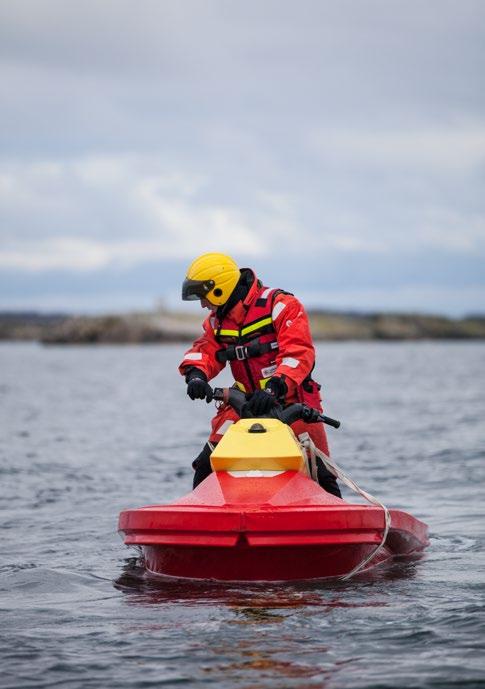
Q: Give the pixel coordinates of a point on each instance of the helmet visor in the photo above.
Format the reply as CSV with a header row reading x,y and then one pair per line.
x,y
196,289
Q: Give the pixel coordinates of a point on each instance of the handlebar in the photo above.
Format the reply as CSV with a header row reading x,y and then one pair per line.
x,y
288,415
335,423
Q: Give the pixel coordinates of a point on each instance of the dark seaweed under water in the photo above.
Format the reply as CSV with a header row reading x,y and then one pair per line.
x,y
88,431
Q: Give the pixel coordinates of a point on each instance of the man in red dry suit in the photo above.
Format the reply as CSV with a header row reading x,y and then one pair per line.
x,y
265,336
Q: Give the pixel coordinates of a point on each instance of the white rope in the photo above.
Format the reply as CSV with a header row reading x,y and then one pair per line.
x,y
311,450
312,459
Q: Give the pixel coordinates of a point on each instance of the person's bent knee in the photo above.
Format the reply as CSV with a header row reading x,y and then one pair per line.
x,y
326,480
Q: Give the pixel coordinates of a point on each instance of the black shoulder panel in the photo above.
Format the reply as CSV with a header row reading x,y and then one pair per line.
x,y
280,291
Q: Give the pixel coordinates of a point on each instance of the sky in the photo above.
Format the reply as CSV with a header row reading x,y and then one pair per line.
x,y
335,146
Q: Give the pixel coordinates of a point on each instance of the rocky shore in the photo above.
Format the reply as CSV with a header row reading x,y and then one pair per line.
x,y
166,326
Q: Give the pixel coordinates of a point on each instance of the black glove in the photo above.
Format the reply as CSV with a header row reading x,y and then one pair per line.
x,y
261,402
277,387
197,386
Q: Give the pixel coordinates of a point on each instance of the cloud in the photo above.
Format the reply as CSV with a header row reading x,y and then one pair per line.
x,y
455,301
451,230
90,212
286,134
440,149
85,255
94,211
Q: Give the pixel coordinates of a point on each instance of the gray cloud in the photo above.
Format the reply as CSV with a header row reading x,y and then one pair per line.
x,y
143,132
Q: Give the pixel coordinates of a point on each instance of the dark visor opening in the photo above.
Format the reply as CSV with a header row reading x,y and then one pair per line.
x,y
196,289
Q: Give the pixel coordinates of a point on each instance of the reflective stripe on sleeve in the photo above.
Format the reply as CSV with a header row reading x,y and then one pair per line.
x,y
278,308
289,361
224,426
193,356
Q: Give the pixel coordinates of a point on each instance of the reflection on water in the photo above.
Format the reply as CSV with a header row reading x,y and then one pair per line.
x,y
257,600
260,607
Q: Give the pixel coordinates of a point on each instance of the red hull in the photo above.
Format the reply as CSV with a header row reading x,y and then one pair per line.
x,y
283,527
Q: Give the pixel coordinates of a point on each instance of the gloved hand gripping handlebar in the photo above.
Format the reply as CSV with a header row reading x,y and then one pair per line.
x,y
294,412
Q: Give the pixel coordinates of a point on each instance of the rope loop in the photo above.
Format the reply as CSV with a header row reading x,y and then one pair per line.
x,y
312,451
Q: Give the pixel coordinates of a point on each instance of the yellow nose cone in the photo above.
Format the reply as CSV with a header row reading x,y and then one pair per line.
x,y
264,444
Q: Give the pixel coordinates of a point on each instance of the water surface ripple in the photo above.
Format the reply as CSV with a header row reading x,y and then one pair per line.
x,y
86,432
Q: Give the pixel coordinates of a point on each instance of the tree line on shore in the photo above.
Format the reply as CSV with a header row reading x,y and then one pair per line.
x,y
165,327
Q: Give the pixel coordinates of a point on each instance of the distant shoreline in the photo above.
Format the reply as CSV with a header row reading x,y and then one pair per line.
x,y
160,327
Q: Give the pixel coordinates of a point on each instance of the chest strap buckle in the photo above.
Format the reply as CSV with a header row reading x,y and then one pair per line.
x,y
240,352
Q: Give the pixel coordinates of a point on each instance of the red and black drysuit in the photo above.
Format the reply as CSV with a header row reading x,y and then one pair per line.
x,y
262,333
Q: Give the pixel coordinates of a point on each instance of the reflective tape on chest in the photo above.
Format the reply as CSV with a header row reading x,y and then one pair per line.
x,y
265,324
261,324
258,321
226,332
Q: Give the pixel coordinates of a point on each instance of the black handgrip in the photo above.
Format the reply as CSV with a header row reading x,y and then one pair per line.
x,y
237,400
329,421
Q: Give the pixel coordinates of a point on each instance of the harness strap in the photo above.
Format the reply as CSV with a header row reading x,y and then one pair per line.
x,y
242,352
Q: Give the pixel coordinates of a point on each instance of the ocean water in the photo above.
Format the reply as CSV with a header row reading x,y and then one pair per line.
x,y
86,432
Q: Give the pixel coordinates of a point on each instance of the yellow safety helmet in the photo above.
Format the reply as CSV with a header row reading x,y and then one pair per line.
x,y
212,277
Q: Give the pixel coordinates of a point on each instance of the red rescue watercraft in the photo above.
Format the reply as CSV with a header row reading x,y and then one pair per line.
x,y
261,517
